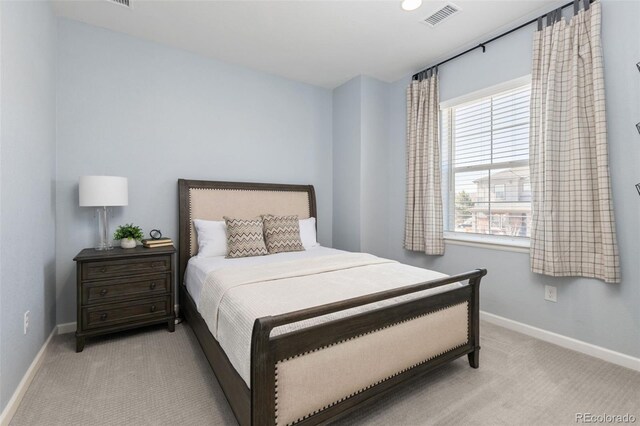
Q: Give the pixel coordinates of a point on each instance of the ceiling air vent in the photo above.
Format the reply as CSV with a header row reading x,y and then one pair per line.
x,y
125,3
442,14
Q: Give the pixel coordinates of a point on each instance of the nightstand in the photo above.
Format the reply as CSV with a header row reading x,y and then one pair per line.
x,y
121,289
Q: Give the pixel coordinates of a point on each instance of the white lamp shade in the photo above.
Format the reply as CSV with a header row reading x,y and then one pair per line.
x,y
99,191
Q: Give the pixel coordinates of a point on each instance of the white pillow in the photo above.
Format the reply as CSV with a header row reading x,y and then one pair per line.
x,y
308,233
212,237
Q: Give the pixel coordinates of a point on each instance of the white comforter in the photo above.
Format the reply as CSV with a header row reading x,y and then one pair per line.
x,y
232,298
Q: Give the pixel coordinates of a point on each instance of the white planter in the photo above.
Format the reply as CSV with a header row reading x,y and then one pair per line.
x,y
128,243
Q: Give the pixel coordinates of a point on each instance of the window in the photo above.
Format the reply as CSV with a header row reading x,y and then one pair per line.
x,y
486,164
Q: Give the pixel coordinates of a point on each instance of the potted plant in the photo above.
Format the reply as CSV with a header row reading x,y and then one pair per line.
x,y
129,235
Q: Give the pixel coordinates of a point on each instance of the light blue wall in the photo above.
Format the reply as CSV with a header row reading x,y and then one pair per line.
x,y
360,135
374,173
154,114
590,310
347,134
27,172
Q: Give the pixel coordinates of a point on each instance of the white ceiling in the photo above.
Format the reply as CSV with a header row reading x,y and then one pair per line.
x,y
324,43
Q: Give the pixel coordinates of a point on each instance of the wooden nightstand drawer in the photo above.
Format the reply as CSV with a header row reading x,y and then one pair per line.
x,y
115,268
125,288
115,313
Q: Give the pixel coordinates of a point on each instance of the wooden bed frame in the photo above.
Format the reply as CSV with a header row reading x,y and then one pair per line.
x,y
257,406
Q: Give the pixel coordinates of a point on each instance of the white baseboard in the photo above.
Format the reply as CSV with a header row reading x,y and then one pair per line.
x,y
16,398
564,341
69,327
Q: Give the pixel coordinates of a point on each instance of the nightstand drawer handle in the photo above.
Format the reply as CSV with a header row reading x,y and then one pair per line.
x,y
103,317
153,308
103,291
103,270
156,264
152,286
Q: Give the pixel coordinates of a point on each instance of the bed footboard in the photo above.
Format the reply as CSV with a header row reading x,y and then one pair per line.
x,y
321,372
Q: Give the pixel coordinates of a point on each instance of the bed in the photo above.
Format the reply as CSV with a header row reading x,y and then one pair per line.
x,y
307,337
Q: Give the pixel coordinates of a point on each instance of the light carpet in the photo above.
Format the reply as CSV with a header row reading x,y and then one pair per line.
x,y
153,377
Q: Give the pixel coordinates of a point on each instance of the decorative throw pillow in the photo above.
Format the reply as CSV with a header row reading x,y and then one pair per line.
x,y
282,233
245,238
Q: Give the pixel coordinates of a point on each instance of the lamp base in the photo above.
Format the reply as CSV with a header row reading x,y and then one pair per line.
x,y
103,230
103,248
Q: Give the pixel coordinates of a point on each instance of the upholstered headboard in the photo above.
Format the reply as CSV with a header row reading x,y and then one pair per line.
x,y
210,200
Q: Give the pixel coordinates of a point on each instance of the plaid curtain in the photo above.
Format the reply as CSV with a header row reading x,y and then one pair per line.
x,y
423,214
573,229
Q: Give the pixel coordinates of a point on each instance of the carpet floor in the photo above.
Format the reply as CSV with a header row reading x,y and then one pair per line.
x,y
152,377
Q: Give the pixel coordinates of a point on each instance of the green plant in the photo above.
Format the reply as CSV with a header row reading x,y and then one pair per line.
x,y
128,231
464,203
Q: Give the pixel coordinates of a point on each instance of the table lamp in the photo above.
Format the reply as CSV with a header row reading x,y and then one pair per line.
x,y
103,192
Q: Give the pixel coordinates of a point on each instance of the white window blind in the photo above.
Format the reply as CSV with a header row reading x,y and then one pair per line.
x,y
486,165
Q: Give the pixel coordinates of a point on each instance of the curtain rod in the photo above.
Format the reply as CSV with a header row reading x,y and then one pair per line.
x,y
483,45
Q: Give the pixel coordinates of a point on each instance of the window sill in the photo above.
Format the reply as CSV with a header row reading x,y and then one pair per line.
x,y
493,242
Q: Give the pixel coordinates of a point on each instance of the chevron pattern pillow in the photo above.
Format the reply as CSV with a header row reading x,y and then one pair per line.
x,y
245,238
282,233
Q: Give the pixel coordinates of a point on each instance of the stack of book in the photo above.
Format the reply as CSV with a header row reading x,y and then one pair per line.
x,y
160,242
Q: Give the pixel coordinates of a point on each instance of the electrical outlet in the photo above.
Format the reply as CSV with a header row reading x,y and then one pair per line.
x,y
26,322
550,293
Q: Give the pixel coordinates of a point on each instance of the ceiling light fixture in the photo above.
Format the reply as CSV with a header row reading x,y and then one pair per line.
x,y
410,5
